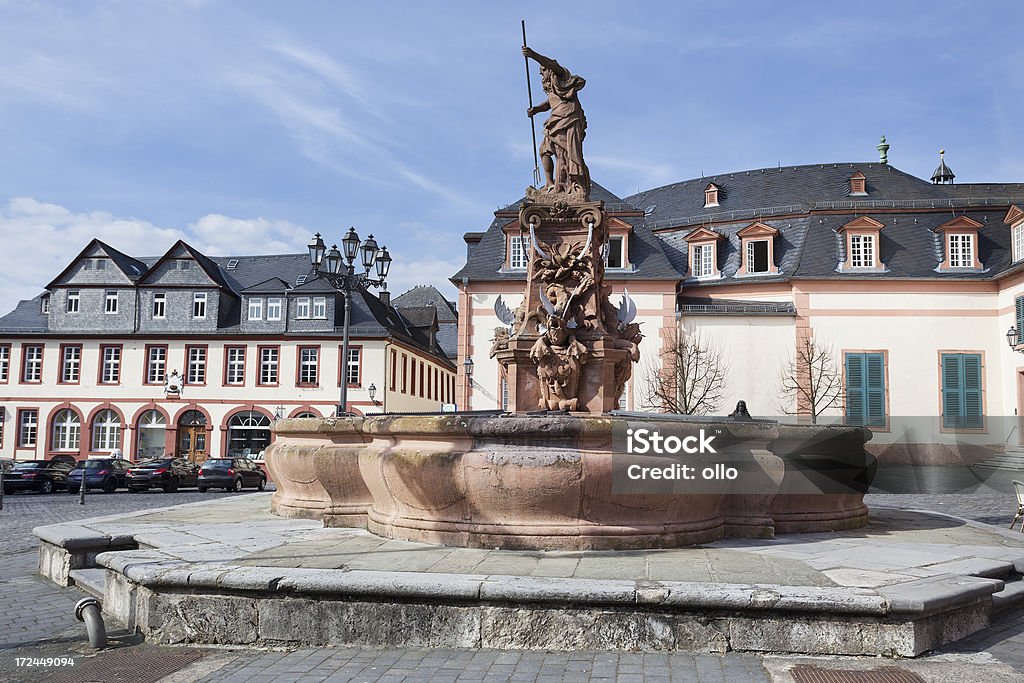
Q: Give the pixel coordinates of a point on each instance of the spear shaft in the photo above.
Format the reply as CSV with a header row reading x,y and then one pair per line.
x,y
533,127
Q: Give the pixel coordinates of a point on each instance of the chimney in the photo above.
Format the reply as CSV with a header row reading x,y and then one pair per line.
x,y
385,297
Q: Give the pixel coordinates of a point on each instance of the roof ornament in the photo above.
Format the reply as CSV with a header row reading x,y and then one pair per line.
x,y
883,151
943,174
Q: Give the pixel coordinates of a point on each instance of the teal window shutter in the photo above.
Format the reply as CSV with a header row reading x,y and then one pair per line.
x,y
962,391
1020,312
865,389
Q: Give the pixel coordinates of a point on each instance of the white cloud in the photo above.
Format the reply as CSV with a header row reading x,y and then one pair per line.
x,y
217,235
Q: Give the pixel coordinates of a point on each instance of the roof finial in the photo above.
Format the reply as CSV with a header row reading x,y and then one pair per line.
x,y
883,151
943,174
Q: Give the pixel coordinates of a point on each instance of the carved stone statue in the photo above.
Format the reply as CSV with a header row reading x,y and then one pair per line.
x,y
560,360
563,131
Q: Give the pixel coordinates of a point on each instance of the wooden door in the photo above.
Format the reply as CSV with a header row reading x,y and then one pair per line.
x,y
192,443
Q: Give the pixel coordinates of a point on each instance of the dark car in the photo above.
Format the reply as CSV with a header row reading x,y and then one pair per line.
x,y
43,476
66,459
166,473
108,474
232,474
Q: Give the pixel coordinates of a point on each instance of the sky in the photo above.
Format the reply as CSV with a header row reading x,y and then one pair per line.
x,y
244,127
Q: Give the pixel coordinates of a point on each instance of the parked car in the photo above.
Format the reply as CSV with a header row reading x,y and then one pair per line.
x,y
108,474
66,459
166,473
231,474
43,476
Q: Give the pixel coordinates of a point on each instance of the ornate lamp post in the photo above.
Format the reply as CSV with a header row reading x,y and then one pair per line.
x,y
1013,339
340,271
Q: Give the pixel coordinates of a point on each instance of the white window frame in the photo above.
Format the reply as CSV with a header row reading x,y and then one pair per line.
x,y
274,309
270,358
961,250
106,435
32,365
159,306
517,258
44,305
862,250
256,308
309,365
319,308
74,302
235,374
199,305
110,302
1018,241
751,259
156,364
302,308
352,367
621,239
110,368
71,364
67,431
5,363
195,371
702,262
28,428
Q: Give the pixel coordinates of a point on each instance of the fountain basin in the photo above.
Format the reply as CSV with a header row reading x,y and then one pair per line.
x,y
556,482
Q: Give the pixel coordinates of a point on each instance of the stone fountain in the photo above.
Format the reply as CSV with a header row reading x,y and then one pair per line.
x,y
551,474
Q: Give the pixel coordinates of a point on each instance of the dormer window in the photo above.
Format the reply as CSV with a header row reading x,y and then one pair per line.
x,y
615,253
862,241
1015,219
960,244
710,195
703,246
858,185
44,305
757,243
517,252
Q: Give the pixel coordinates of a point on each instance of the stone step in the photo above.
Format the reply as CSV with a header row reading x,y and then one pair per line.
x,y
981,567
1011,597
92,581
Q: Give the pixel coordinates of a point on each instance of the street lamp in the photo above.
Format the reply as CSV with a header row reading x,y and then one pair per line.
x,y
338,268
372,391
1013,339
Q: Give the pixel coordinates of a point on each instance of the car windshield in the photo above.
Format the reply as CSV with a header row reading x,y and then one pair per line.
x,y
30,466
217,464
153,463
95,464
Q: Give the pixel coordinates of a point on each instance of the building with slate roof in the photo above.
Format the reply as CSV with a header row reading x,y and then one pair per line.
x,y
910,284
196,355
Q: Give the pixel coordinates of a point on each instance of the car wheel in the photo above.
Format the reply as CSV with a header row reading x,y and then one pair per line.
x,y
171,486
262,486
237,487
72,490
46,486
131,490
109,486
202,489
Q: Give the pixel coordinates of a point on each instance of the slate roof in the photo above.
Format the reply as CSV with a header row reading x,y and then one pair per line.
x,y
132,268
27,316
274,285
427,295
486,258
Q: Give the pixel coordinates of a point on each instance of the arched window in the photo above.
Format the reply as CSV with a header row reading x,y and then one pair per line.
x,y
106,431
248,433
307,413
152,428
67,431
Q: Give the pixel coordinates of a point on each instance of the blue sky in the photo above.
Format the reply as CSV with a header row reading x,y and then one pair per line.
x,y
243,127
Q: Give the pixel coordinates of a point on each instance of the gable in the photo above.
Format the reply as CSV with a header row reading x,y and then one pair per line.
x,y
182,266
862,223
758,230
703,235
960,223
1013,215
96,265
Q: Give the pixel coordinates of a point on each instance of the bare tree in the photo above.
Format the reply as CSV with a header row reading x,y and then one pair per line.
x,y
691,379
811,378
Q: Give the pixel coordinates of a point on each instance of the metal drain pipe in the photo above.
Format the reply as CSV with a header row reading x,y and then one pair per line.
x,y
88,610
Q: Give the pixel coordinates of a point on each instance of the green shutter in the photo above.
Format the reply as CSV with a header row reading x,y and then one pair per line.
x,y
865,389
1020,313
972,392
855,388
962,406
952,391
874,389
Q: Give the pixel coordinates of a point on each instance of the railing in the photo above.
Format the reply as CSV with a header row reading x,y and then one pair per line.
x,y
728,216
737,308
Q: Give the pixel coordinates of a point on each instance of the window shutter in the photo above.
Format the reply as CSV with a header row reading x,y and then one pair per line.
x,y
874,386
1020,313
972,391
855,388
952,391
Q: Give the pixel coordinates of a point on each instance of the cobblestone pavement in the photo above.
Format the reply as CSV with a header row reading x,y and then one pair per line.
x,y
37,621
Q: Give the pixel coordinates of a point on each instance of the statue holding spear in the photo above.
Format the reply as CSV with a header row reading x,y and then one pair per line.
x,y
561,150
